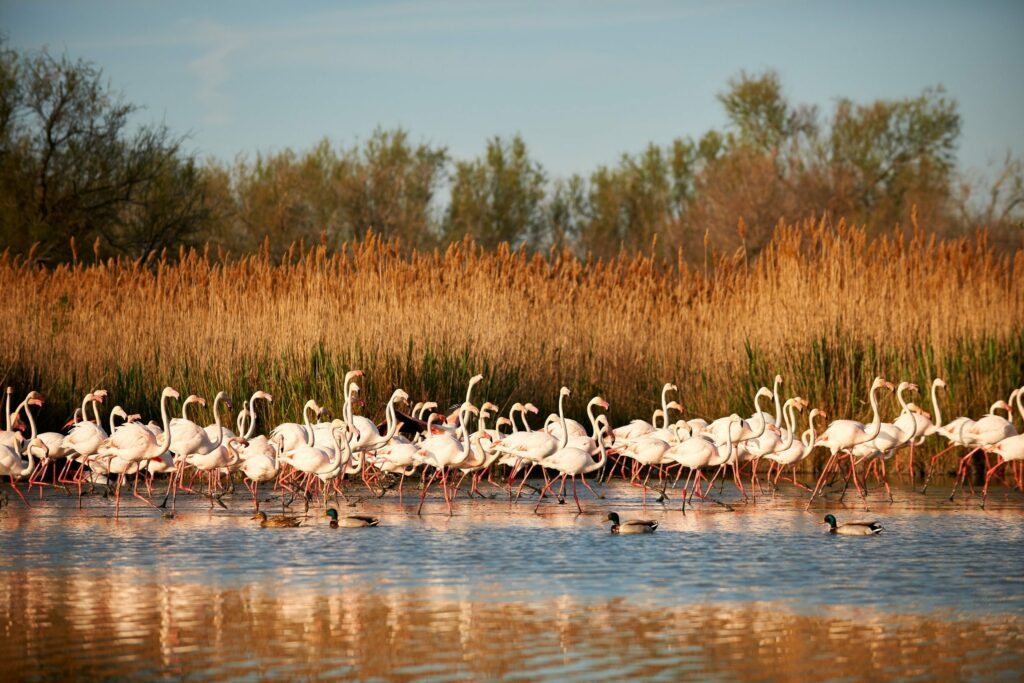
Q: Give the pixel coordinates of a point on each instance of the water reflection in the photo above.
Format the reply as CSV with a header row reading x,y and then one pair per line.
x,y
84,624
496,591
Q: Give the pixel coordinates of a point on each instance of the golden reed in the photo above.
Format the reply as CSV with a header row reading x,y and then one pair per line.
x,y
823,305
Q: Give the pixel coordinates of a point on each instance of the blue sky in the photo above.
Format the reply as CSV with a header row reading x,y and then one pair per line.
x,y
583,82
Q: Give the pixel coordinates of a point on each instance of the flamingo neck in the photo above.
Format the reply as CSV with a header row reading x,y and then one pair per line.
x,y
167,430
935,405
604,453
561,420
216,421
664,407
790,426
307,431
876,420
778,401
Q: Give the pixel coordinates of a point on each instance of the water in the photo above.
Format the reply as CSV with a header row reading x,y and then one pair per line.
x,y
757,593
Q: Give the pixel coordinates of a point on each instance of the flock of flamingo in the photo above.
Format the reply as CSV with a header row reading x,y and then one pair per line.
x,y
313,459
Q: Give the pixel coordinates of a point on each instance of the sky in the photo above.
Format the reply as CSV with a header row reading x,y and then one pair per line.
x,y
582,82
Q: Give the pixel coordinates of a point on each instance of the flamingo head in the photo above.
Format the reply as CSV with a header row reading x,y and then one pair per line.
x,y
674,405
263,395
603,404
475,379
530,408
401,396
764,391
939,382
564,391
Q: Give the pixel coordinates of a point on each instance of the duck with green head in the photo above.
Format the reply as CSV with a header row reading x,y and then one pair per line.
x,y
631,526
351,521
852,528
277,521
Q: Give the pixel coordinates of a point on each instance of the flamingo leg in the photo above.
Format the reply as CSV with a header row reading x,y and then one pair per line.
x,y
423,494
988,477
14,486
931,466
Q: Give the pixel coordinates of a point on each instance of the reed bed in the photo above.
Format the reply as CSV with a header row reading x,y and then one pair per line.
x,y
822,305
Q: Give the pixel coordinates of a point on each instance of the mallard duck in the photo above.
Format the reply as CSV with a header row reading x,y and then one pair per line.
x,y
277,521
352,521
631,526
853,528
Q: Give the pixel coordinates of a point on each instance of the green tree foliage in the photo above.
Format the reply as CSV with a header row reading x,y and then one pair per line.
x,y
72,165
386,185
498,197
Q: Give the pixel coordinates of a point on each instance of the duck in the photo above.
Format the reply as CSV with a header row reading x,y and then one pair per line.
x,y
631,526
352,521
277,521
852,528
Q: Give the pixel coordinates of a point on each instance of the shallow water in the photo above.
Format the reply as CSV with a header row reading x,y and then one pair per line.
x,y
756,593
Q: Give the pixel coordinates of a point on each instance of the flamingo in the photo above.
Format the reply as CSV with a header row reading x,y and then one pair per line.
x,y
12,436
261,466
794,450
367,436
572,461
10,458
295,435
443,451
134,443
86,436
922,423
533,447
315,460
1010,449
983,434
890,438
842,435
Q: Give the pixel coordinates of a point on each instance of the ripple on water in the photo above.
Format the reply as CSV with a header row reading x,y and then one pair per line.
x,y
496,592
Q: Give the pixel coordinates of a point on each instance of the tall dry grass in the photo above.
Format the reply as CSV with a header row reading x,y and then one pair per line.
x,y
822,305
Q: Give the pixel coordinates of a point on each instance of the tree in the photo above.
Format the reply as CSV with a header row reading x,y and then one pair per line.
x,y
389,187
70,167
761,114
497,198
890,148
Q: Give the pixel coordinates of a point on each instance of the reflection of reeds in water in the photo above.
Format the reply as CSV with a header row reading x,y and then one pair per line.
x,y
822,305
126,626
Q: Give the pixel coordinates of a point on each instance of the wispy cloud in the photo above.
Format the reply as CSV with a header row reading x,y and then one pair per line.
x,y
212,69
